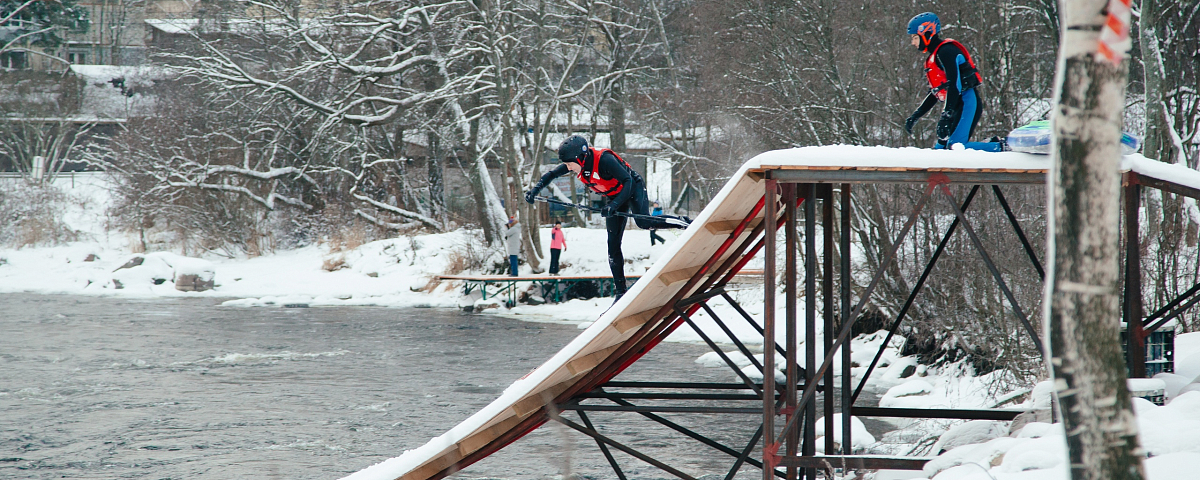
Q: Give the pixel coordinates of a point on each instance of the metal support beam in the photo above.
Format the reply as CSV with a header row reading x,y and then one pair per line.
x,y
598,393
790,243
1134,178
827,222
844,334
987,260
912,296
750,320
660,409
845,279
603,448
639,455
810,324
700,297
1172,304
696,385
729,333
856,462
721,353
771,447
701,438
964,414
1170,316
1012,219
1135,336
745,456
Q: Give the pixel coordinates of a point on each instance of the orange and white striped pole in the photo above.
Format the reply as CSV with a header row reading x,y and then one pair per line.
x,y
1114,40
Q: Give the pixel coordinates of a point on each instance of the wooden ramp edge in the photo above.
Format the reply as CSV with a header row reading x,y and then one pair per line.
x,y
520,408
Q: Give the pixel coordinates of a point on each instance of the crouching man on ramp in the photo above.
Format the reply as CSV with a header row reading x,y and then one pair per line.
x,y
604,172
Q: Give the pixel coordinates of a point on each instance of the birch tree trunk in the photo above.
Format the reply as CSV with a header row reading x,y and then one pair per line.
x,y
1084,306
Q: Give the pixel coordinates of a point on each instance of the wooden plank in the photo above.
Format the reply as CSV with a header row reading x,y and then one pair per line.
x,y
807,167
725,227
887,169
483,437
634,321
671,278
589,361
448,457
536,400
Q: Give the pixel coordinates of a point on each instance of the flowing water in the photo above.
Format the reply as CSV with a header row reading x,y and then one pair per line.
x,y
94,387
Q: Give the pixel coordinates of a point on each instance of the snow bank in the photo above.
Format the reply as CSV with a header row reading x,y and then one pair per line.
x,y
1169,434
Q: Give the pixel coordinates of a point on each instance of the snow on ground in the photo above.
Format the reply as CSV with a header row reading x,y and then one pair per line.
x,y
400,272
1169,434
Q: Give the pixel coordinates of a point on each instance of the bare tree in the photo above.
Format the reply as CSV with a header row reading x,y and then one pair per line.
x,y
1084,292
378,61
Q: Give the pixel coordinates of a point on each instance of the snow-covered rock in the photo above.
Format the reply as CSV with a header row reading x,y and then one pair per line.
x,y
983,456
1173,383
910,394
860,438
976,431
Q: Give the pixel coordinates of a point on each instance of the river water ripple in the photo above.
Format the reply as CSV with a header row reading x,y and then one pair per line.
x,y
95,387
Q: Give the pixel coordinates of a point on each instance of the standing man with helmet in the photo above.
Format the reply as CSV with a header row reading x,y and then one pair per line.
x,y
604,172
953,79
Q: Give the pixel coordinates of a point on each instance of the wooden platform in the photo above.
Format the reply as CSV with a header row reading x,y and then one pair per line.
x,y
718,243
553,286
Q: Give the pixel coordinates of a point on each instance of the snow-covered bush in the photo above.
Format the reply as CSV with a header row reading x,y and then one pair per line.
x,y
32,216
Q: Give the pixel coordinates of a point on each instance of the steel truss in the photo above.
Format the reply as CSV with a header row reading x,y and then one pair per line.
x,y
796,398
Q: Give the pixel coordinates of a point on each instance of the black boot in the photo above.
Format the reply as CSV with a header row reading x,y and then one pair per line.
x,y
620,288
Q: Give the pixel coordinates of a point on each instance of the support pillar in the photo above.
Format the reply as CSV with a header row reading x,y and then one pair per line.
x,y
770,448
810,321
789,291
1135,335
845,312
826,194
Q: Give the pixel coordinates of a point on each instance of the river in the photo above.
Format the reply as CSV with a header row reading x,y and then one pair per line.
x,y
102,387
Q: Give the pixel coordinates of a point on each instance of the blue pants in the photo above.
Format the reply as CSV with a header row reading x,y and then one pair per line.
x,y
512,265
962,126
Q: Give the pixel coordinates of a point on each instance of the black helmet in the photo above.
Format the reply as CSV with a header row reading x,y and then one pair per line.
x,y
572,149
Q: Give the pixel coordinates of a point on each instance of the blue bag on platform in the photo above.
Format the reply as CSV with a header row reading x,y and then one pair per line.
x,y
1035,138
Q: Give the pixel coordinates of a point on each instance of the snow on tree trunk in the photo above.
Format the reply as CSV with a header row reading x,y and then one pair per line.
x,y
1156,142
1084,306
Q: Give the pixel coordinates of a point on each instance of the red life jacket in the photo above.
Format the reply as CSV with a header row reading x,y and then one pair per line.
x,y
937,76
591,177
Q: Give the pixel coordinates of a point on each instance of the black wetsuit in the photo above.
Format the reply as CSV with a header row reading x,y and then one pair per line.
x,y
631,198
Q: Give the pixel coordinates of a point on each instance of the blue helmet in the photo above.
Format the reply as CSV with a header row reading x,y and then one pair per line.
x,y
572,149
926,25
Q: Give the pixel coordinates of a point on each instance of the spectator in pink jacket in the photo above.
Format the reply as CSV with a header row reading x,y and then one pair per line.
x,y
558,243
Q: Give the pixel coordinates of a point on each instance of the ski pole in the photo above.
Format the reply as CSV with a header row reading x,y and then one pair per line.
x,y
670,220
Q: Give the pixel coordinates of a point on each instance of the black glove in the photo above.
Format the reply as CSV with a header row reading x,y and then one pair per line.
x,y
608,210
945,125
532,193
912,120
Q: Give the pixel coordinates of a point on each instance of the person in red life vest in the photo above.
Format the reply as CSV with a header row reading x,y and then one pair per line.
x,y
558,243
953,79
604,172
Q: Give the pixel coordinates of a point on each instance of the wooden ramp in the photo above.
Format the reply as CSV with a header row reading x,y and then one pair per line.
x,y
721,240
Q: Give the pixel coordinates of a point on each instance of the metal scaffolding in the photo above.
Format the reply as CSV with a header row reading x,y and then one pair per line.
x,y
785,439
